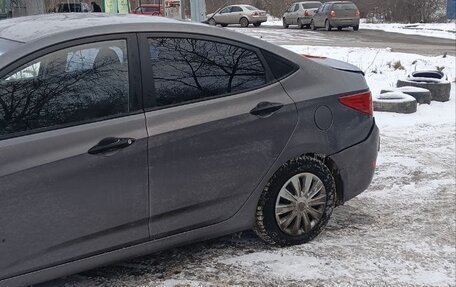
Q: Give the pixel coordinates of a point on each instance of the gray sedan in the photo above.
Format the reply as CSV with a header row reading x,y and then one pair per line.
x,y
125,135
237,14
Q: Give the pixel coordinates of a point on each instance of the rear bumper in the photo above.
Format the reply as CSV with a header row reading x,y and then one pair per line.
x,y
344,22
357,164
258,19
306,20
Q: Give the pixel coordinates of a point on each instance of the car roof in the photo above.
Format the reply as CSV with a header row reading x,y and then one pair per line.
x,y
30,28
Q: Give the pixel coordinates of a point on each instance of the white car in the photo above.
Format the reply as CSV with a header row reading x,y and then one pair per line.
x,y
237,14
300,14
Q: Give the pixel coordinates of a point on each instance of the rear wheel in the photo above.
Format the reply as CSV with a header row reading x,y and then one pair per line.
x,y
297,203
300,25
212,22
257,24
244,22
224,25
284,23
328,26
339,28
312,25
356,28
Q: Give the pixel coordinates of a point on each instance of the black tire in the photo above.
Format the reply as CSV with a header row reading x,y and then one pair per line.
x,y
440,90
312,25
266,225
396,102
328,26
224,25
356,28
339,28
244,22
284,23
212,22
307,26
421,95
300,25
257,24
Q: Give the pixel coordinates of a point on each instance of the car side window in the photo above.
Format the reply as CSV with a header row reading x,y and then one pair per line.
x,y
225,10
187,70
71,86
236,9
296,7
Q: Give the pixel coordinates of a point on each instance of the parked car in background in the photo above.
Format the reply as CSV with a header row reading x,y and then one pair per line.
x,y
125,135
237,14
73,8
149,9
338,14
300,14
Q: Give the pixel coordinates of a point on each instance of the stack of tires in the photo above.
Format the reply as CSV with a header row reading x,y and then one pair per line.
x,y
419,88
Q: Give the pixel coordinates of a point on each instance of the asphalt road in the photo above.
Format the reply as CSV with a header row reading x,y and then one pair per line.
x,y
348,38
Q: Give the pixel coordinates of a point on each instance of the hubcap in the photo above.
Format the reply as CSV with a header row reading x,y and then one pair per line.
x,y
300,204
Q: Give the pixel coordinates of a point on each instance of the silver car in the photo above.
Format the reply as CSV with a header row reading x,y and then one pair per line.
x,y
125,135
300,14
237,14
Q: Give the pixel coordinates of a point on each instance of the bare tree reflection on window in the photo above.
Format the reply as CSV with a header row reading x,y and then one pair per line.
x,y
66,87
190,69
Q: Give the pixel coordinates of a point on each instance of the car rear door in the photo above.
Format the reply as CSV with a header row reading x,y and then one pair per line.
x,y
73,154
236,14
216,120
319,16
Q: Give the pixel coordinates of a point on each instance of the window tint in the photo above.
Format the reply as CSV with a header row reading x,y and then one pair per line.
x,y
311,5
344,6
236,9
190,69
251,8
279,66
70,86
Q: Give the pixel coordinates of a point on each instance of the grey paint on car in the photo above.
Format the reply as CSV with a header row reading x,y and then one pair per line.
x,y
186,171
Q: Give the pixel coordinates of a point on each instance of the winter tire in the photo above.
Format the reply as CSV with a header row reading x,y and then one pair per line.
x,y
300,25
339,28
422,96
440,89
256,25
296,204
356,28
328,26
396,102
212,22
244,22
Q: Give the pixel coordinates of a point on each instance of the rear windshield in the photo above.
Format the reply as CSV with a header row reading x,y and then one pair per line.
x,y
6,45
251,8
311,5
344,6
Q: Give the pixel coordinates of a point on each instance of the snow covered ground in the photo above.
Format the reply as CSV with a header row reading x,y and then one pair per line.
x,y
400,232
438,30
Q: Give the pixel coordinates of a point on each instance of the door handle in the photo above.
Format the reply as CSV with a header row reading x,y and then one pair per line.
x,y
265,109
111,144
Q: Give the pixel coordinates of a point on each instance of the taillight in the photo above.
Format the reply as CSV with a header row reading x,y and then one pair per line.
x,y
306,13
360,102
333,13
255,14
357,13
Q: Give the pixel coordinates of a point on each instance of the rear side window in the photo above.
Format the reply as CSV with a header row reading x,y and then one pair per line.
x,y
188,70
344,6
279,66
236,9
296,8
67,87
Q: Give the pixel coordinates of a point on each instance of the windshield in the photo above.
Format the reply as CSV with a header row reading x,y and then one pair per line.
x,y
344,6
251,8
6,45
311,5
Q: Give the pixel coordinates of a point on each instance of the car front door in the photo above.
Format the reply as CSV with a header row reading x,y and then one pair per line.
x,y
222,17
317,18
73,155
217,122
295,14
